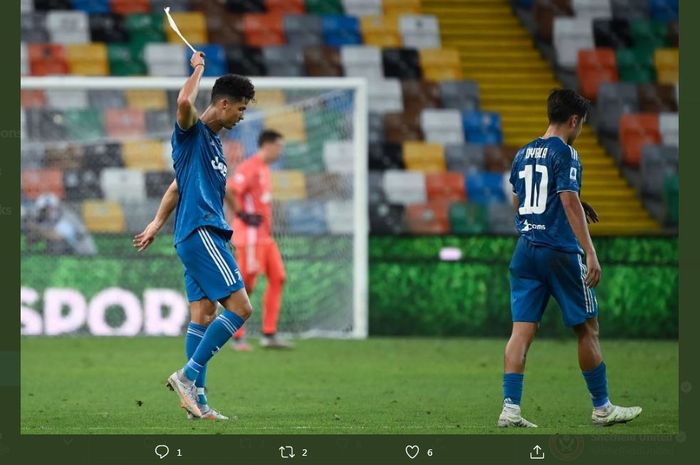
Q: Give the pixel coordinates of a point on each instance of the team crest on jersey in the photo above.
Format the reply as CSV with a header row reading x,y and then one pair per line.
x,y
219,166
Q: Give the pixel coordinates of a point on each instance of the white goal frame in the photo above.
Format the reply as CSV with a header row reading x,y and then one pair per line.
x,y
360,142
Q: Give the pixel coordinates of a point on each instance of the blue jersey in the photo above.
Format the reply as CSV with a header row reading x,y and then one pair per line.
x,y
541,170
200,170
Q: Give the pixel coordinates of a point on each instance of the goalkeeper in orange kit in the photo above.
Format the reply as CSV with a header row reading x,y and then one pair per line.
x,y
249,199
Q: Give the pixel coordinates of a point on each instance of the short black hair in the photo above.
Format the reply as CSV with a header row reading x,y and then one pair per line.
x,y
562,104
238,88
268,135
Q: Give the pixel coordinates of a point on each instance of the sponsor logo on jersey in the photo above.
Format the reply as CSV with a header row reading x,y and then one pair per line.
x,y
529,227
219,166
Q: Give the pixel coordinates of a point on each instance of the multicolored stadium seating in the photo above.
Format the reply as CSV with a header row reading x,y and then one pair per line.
x,y
445,119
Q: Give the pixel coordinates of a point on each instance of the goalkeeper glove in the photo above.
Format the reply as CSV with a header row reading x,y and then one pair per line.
x,y
251,219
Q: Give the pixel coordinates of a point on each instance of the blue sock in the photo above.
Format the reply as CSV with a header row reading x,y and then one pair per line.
x,y
219,331
597,382
513,387
202,396
195,333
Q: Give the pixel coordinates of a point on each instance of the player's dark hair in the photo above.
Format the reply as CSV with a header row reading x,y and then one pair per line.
x,y
268,135
562,104
238,88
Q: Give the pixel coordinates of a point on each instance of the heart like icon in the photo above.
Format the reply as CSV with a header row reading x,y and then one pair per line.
x,y
412,451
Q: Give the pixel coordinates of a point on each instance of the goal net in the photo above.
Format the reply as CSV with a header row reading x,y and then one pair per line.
x,y
96,159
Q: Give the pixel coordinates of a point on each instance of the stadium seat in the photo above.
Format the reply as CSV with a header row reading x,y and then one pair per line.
x,y
672,35
324,7
102,155
401,63
363,7
340,217
592,8
303,30
419,95
288,185
263,30
137,214
129,7
400,127
401,7
159,123
381,31
656,98
68,27
143,155
442,126
270,99
440,64
486,188
635,65
657,163
108,28
216,64
362,61
595,67
648,34
385,218
122,62
66,99
32,98
614,100
286,60
465,158
175,5
41,181
47,59
305,217
429,218
83,124
144,28
328,186
45,125
339,30
33,28
569,36
445,186
468,218
289,122
92,6
64,156
499,158
666,63
101,216
425,157
668,126
376,194
245,6
385,96
501,218
461,95
420,31
125,122
405,187
545,11
165,59
304,156
123,185
24,60
376,128
636,131
82,184
671,194
612,33
482,127
247,61
339,156
630,9
47,5
88,59
663,10
157,182
386,156
26,6
287,7
322,61
225,29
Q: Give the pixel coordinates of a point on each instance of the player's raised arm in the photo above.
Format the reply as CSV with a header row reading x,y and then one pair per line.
x,y
577,219
186,112
165,209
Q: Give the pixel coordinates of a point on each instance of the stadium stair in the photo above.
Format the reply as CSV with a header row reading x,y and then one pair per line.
x,y
514,80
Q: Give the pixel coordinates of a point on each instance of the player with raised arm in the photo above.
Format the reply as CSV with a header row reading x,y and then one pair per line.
x,y
201,233
547,261
249,198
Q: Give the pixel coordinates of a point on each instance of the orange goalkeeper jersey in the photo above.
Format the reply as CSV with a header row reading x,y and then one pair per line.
x,y
252,187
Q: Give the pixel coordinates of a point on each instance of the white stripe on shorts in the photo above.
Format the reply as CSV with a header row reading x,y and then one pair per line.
x,y
218,254
586,291
214,257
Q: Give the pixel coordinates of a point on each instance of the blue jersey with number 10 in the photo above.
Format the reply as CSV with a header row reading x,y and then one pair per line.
x,y
541,170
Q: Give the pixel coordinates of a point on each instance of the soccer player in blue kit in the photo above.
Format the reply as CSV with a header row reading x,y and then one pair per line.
x,y
547,261
202,235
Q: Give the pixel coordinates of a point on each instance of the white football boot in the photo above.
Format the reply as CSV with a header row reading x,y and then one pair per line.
x,y
614,414
510,417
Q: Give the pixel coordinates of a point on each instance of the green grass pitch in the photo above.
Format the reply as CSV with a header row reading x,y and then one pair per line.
x,y
88,385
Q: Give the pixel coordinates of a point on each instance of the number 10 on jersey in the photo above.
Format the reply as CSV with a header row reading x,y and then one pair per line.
x,y
535,202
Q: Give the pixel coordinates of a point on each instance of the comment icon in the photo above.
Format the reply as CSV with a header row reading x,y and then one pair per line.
x,y
162,451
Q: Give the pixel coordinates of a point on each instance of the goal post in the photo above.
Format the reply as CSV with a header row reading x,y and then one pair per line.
x,y
331,113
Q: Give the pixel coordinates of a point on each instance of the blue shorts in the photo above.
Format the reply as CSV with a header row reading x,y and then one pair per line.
x,y
210,270
537,272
